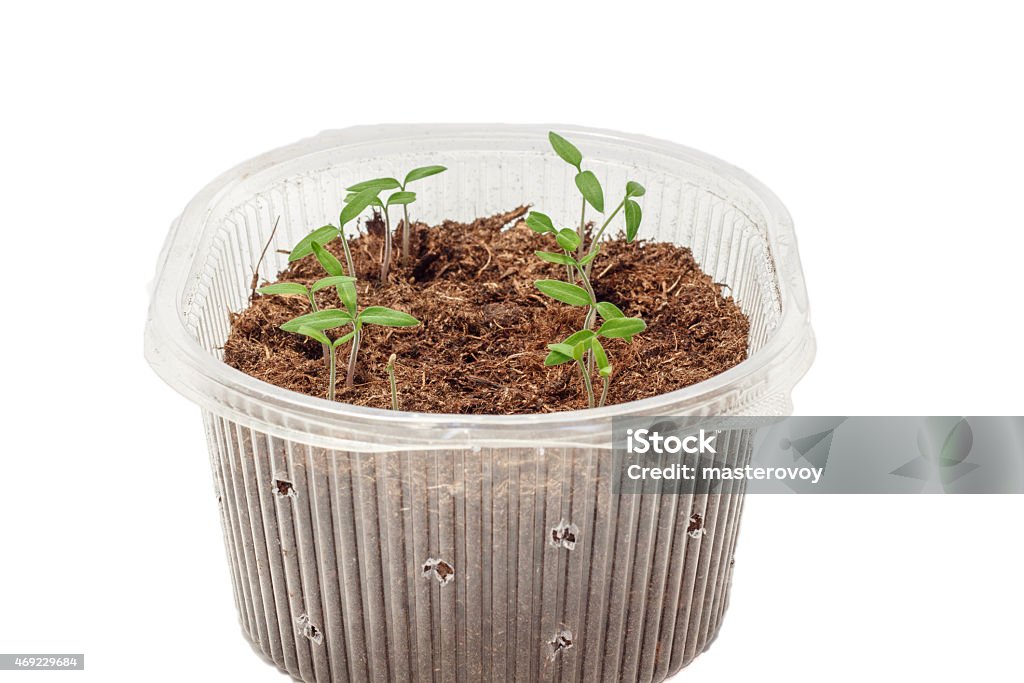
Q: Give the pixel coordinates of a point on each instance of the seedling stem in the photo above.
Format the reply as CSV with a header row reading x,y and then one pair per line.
x,y
391,381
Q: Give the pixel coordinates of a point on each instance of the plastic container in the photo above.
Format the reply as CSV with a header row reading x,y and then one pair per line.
x,y
389,546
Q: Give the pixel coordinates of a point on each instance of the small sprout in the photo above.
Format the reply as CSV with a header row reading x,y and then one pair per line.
x,y
590,189
392,383
355,205
585,343
315,324
575,347
401,198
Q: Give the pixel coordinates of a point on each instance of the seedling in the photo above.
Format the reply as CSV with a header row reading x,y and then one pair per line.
x,y
391,381
356,205
319,321
578,344
584,343
332,348
336,278
590,189
351,316
402,197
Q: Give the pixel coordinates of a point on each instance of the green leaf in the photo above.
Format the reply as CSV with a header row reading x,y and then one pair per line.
x,y
551,257
318,320
633,217
344,340
600,357
590,255
579,349
565,149
284,288
539,222
555,358
375,202
380,184
327,260
380,315
560,353
621,328
567,239
590,188
321,236
606,371
609,311
565,292
347,294
332,281
401,198
313,333
423,172
577,337
358,204
635,189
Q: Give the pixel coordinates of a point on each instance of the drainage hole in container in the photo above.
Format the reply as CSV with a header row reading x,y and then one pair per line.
x,y
440,570
565,535
560,643
309,630
284,488
696,528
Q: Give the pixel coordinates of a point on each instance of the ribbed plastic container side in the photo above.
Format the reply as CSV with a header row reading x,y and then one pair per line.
x,y
443,566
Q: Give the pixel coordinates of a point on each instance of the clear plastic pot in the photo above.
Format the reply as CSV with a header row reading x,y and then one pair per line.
x,y
368,544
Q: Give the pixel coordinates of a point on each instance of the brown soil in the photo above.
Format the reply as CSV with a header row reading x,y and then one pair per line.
x,y
485,326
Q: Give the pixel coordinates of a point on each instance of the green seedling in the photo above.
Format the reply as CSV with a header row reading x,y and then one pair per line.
x,y
351,316
345,285
584,343
402,197
391,381
395,198
332,351
356,204
592,193
579,344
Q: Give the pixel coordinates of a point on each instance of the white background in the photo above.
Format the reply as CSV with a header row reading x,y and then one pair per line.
x,y
893,132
